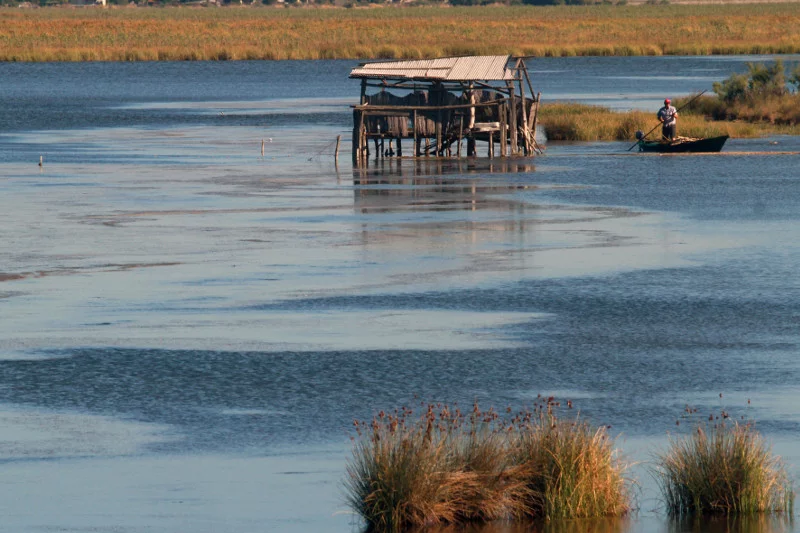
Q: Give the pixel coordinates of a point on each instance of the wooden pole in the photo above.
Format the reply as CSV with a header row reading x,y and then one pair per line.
x,y
335,152
512,115
460,135
501,111
535,119
356,148
525,135
416,141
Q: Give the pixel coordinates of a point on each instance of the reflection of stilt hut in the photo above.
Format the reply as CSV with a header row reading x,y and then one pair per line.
x,y
441,102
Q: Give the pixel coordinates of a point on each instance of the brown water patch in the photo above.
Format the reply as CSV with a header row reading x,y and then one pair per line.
x,y
10,277
112,267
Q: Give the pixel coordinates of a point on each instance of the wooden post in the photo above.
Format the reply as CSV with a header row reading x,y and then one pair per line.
x,y
501,112
335,152
512,115
358,120
491,145
438,102
460,135
416,141
535,116
525,135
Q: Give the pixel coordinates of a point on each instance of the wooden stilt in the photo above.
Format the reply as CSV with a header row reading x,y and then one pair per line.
x,y
501,111
535,118
512,115
460,135
416,141
356,148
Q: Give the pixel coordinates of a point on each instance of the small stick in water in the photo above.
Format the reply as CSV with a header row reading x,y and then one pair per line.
x,y
41,160
262,147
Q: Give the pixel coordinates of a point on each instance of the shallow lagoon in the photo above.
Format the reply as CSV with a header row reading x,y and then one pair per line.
x,y
187,329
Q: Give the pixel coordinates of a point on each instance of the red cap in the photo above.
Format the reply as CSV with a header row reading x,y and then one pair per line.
x,y
667,101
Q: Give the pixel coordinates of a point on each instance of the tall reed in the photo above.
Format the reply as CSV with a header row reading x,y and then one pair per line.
x,y
725,468
449,467
580,122
575,471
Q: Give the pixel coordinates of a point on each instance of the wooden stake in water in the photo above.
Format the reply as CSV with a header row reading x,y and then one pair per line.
x,y
262,147
336,152
41,160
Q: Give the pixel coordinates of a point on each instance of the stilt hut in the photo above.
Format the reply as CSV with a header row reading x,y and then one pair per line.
x,y
439,103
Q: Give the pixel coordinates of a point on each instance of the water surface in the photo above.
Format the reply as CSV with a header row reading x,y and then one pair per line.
x,y
188,329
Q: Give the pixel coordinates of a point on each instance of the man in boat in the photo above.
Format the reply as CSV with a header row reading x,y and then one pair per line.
x,y
668,116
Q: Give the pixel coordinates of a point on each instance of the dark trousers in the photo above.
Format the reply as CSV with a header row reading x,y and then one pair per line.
x,y
669,132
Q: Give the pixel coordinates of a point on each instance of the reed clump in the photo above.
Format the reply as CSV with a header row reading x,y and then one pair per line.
x,y
449,467
725,468
564,121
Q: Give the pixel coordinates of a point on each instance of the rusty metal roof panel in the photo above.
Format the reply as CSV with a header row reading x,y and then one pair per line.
x,y
468,68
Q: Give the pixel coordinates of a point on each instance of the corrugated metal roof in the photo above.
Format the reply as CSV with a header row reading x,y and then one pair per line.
x,y
469,68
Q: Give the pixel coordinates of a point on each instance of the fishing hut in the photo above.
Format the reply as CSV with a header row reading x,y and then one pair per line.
x,y
437,104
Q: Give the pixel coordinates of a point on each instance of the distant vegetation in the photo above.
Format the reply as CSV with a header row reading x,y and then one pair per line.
x,y
766,93
246,32
764,101
445,466
581,122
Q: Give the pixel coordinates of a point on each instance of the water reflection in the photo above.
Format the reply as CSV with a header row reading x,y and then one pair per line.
x,y
742,524
595,525
441,166
438,184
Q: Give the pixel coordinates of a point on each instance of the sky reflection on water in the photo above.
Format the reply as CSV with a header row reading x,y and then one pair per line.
x,y
187,329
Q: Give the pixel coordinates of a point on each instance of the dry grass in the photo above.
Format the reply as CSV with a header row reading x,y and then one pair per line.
x,y
723,469
448,467
294,33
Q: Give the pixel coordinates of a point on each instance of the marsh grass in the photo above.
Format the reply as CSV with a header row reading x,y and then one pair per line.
x,y
582,122
724,468
449,467
185,33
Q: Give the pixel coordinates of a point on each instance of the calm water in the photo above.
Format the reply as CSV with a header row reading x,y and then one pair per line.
x,y
187,328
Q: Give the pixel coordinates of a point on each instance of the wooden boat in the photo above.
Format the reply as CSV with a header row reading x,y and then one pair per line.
x,y
683,145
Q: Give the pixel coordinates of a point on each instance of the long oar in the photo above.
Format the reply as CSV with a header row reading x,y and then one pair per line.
x,y
657,125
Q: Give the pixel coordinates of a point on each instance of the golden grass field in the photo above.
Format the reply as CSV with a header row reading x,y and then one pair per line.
x,y
197,33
